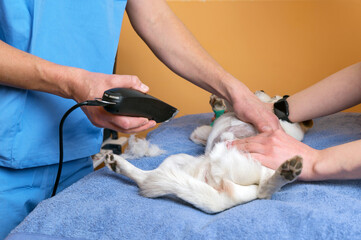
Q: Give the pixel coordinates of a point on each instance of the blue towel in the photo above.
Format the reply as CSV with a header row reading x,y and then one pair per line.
x,y
105,205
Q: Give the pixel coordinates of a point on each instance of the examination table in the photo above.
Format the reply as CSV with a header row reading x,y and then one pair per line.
x,y
105,205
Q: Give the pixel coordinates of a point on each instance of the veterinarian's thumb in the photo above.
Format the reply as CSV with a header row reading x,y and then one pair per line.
x,y
130,81
267,123
266,129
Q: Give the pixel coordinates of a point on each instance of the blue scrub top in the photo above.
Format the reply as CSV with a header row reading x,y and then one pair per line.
x,y
81,33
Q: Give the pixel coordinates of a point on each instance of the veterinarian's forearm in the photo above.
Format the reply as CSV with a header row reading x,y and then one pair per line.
x,y
174,45
333,94
339,162
22,70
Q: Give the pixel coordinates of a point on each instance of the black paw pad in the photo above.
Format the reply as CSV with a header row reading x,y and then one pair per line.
x,y
291,168
288,175
113,166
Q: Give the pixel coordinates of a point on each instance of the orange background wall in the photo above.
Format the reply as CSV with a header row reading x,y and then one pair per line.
x,y
278,46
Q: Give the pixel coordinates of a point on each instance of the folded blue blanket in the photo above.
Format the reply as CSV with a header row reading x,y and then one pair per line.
x,y
105,205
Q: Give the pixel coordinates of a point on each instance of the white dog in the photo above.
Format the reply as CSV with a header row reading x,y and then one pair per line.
x,y
222,177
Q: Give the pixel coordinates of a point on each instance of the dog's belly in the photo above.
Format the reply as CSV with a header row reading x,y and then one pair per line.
x,y
233,165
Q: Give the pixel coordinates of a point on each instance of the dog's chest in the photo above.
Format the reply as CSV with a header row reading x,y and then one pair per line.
x,y
227,128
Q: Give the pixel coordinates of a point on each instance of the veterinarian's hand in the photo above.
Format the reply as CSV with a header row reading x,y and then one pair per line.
x,y
91,85
273,148
250,109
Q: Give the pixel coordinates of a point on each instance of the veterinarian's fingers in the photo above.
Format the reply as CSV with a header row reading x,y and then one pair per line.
x,y
264,160
260,138
261,115
130,81
252,147
258,157
132,124
150,124
266,122
133,130
103,119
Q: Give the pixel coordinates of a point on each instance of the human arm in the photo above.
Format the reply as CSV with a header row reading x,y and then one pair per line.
x,y
273,148
335,93
22,70
175,46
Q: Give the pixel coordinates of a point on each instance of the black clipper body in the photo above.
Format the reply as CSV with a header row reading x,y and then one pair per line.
x,y
130,102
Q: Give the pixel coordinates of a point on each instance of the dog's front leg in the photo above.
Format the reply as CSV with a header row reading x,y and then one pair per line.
x,y
152,184
120,165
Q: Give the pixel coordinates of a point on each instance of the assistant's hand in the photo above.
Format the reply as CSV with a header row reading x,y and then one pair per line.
x,y
90,85
275,147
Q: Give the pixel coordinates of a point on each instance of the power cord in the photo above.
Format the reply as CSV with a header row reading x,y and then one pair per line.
x,y
61,146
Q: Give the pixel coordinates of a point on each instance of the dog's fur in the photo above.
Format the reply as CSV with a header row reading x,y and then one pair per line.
x,y
222,177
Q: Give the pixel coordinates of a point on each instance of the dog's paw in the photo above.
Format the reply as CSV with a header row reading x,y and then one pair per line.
x,y
291,168
110,162
201,134
217,103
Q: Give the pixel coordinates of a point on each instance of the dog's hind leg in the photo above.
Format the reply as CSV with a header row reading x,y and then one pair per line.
x,y
286,173
196,192
200,134
166,180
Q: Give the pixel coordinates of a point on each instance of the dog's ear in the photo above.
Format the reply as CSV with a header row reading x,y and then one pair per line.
x,y
306,125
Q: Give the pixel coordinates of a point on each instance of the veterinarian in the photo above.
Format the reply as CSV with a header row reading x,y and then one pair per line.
x,y
335,93
57,53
